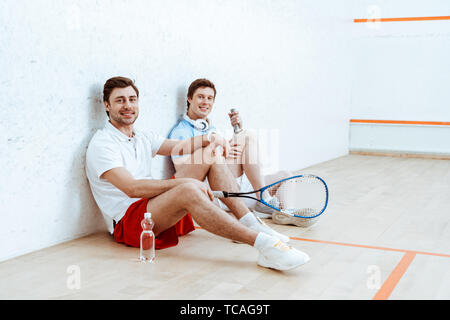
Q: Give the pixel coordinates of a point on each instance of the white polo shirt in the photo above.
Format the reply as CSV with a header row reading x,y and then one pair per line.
x,y
109,148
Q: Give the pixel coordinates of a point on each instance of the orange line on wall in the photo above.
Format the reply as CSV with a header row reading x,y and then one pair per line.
x,y
395,276
428,123
402,19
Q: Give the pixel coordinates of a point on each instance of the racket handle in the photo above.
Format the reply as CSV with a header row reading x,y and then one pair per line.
x,y
236,127
219,194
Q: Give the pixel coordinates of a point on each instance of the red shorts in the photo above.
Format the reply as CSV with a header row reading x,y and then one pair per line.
x,y
128,230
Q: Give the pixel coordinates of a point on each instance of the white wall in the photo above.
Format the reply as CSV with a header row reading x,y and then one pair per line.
x,y
400,138
284,64
401,71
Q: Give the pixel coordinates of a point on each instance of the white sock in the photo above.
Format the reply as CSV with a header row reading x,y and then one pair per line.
x,y
249,219
263,240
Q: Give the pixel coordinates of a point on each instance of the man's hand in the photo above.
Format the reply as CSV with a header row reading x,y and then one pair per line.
x,y
218,140
235,119
235,149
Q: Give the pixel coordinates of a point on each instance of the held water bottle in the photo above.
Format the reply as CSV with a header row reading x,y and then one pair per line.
x,y
236,127
147,252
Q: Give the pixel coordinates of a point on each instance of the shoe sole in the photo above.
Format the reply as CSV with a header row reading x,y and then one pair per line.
x,y
280,218
268,265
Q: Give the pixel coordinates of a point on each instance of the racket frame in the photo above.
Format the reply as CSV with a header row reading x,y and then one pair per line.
x,y
225,194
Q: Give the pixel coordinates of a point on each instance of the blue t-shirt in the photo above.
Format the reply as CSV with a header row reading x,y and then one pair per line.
x,y
185,130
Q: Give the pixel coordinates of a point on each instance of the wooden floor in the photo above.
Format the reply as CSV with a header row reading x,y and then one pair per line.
x,y
385,235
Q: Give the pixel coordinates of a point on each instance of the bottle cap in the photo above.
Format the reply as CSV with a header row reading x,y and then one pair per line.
x,y
148,215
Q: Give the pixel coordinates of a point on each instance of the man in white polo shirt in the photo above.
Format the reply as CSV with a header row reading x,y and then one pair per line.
x,y
118,167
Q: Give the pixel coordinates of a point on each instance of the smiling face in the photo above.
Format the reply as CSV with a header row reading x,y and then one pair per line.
x,y
122,106
201,103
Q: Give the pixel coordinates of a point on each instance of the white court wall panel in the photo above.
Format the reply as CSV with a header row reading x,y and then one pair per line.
x,y
401,71
270,59
417,139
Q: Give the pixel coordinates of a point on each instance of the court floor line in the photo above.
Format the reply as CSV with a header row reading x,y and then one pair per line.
x,y
373,247
391,282
364,246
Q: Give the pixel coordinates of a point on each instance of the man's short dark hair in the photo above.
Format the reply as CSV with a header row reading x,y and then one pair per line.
x,y
199,83
117,82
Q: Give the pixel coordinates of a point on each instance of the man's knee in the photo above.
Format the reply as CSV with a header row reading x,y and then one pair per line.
x,y
201,157
211,155
249,143
205,156
190,192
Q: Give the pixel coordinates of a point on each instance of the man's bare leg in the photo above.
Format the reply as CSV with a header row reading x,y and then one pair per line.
x,y
248,161
168,208
277,176
196,165
219,176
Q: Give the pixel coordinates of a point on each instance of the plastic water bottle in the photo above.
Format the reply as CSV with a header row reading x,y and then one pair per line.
x,y
236,127
147,252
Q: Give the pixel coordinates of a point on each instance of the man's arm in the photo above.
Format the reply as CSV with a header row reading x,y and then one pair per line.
x,y
146,188
180,147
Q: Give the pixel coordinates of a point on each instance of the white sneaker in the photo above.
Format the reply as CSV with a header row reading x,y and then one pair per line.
x,y
281,257
280,218
262,227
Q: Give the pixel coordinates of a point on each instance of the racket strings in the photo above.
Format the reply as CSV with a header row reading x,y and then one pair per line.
x,y
303,196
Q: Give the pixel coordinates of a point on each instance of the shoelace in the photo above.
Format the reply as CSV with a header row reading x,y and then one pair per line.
x,y
282,246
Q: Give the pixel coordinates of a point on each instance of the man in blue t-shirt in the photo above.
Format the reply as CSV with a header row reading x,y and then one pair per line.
x,y
242,158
